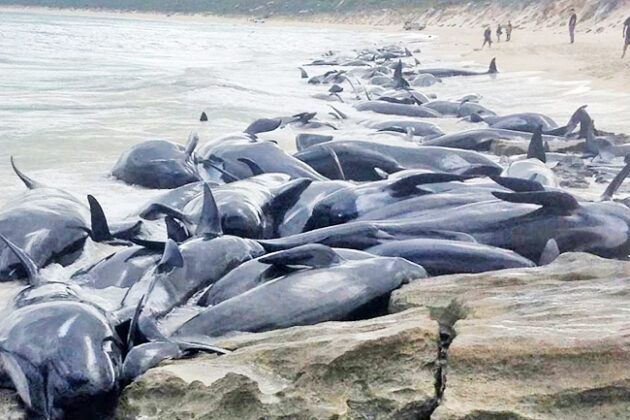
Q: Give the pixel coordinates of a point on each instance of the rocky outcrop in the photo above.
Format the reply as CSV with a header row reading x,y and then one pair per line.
x,y
380,368
543,343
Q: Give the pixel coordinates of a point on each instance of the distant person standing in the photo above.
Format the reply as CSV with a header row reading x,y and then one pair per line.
x,y
626,35
508,31
499,33
572,23
487,37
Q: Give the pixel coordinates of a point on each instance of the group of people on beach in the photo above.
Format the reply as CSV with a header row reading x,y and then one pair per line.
x,y
487,34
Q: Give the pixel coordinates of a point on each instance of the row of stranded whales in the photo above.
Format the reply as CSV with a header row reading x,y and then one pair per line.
x,y
245,236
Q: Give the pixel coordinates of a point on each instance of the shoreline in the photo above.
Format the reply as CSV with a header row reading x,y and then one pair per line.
x,y
595,58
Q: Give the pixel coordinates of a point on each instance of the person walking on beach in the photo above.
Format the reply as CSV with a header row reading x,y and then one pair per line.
x,y
487,38
499,33
572,23
508,31
626,35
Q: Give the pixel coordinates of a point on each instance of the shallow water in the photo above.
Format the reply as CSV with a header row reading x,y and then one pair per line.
x,y
77,91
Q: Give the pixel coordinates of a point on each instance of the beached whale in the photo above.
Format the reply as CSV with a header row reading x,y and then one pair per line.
x,y
388,108
417,128
442,73
395,156
251,208
340,290
440,256
223,161
51,225
158,164
354,201
530,121
255,272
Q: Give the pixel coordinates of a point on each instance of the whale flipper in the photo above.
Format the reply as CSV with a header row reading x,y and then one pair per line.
x,y
253,166
156,210
617,181
408,184
31,269
210,219
341,114
310,255
548,199
518,184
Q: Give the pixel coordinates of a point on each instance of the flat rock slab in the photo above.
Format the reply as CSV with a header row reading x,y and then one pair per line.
x,y
377,369
544,343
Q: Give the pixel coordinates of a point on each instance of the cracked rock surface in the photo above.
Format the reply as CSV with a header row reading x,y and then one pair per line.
x,y
544,343
374,369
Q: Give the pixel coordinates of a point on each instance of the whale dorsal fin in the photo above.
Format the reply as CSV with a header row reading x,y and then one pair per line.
x,y
100,227
303,73
549,253
253,166
203,117
617,181
286,197
210,219
536,147
30,183
171,259
310,255
518,184
492,69
31,269
175,230
548,199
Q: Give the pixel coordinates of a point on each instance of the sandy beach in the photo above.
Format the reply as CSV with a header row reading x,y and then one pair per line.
x,y
540,40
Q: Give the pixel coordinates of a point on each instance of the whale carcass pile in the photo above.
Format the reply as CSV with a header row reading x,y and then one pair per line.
x,y
249,238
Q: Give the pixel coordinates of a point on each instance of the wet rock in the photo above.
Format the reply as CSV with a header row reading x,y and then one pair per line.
x,y
380,368
540,343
